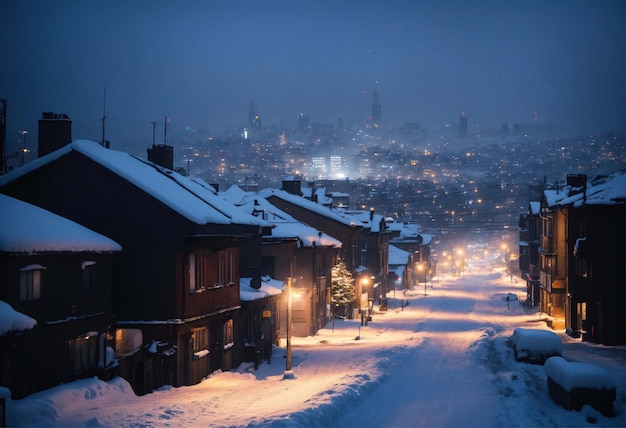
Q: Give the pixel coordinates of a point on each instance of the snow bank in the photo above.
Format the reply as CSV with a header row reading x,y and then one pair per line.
x,y
535,346
572,375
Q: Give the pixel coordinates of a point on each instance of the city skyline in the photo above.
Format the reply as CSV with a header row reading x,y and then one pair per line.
x,y
200,64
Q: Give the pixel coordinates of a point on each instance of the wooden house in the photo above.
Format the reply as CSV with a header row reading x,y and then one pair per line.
x,y
59,274
298,251
176,286
583,280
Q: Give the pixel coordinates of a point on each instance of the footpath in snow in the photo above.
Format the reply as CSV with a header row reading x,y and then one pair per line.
x,y
440,359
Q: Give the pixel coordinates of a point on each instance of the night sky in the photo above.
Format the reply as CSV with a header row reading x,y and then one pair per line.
x,y
200,63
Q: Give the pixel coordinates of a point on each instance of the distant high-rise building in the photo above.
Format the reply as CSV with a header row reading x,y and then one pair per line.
x,y
504,129
336,166
55,131
303,122
375,109
254,120
340,123
463,125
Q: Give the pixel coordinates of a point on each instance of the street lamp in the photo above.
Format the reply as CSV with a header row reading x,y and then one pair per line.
x,y
363,300
422,267
462,261
288,372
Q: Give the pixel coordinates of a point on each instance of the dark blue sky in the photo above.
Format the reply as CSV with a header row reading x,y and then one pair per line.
x,y
201,62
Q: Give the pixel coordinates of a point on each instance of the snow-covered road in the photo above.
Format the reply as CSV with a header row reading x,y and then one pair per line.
x,y
440,361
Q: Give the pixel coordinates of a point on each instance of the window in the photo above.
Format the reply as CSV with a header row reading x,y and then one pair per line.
x,y
197,273
226,266
200,339
211,269
83,353
127,340
547,226
228,334
31,280
89,275
583,267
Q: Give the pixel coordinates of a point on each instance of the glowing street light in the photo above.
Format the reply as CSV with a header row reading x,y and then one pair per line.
x,y
422,267
288,371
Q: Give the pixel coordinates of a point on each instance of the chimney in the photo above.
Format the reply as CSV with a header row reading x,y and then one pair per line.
x,y
55,131
292,186
162,155
371,213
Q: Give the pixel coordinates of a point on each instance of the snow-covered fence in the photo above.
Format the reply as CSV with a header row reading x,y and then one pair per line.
x,y
573,385
535,346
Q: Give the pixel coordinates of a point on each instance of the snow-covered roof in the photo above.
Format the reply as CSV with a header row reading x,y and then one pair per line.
x,y
26,228
366,218
309,205
398,256
284,225
534,207
394,225
191,198
320,195
12,320
269,287
600,190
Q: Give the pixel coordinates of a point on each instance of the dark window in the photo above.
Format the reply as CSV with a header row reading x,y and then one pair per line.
x,y
31,282
89,275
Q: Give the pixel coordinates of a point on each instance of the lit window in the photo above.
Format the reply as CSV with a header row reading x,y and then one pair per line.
x,y
228,334
31,280
127,340
200,341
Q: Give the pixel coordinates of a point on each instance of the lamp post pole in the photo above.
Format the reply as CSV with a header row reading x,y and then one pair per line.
x,y
424,280
288,373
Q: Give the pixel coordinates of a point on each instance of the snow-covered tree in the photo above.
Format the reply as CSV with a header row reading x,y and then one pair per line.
x,y
343,292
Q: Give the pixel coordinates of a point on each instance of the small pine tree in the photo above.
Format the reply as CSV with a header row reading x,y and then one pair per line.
x,y
343,291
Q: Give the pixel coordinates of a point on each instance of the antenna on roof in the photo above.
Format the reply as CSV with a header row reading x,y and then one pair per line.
x,y
104,108
165,131
154,124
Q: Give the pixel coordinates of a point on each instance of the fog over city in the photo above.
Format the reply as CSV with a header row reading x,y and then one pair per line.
x,y
200,63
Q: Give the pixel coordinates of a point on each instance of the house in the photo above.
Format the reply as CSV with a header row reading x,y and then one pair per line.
x,y
529,260
400,263
297,251
58,274
582,257
408,238
176,285
260,316
347,231
374,240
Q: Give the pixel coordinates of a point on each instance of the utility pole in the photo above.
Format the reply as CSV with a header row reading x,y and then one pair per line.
x,y
165,132
104,108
